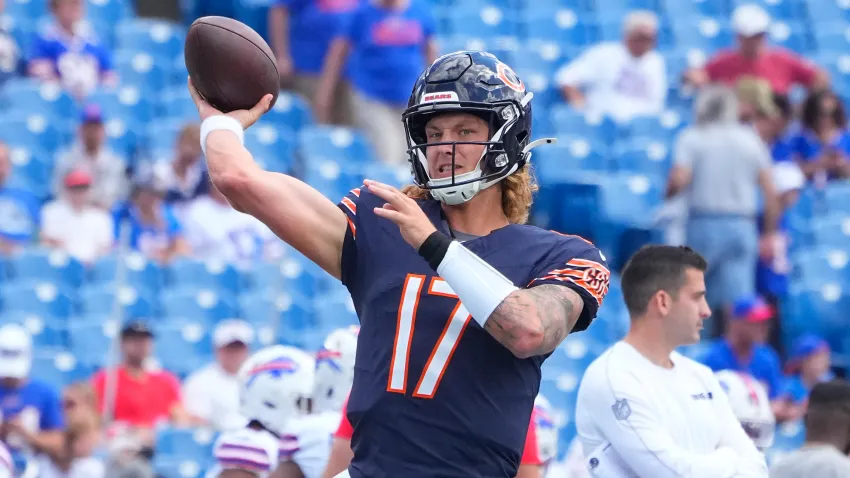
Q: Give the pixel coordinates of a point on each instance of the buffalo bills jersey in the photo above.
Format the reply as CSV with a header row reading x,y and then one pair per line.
x,y
434,393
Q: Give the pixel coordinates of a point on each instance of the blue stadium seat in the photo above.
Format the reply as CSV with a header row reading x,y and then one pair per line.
x,y
109,11
138,272
272,146
185,447
160,38
630,198
127,102
122,136
91,339
42,298
289,110
333,177
486,22
790,35
291,275
143,70
654,128
452,43
100,300
59,367
820,309
641,156
837,197
678,8
333,142
26,8
778,9
31,167
200,304
176,103
832,231
163,134
215,275
46,265
335,311
288,313
36,97
540,56
393,175
47,332
34,130
183,346
564,26
567,157
701,32
821,266
566,120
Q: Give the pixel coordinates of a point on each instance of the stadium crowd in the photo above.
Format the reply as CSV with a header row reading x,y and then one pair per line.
x,y
726,132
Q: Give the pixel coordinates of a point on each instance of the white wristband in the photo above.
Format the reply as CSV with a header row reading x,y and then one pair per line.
x,y
479,286
217,123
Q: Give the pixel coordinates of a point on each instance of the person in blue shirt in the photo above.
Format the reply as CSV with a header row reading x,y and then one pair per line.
x,y
808,365
823,146
67,50
388,44
300,33
780,143
18,209
32,412
154,229
743,348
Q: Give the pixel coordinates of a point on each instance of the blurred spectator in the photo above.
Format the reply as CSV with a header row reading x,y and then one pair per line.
x,y
619,79
154,230
72,224
757,108
808,365
91,153
722,223
68,51
753,57
31,411
18,209
743,349
781,148
301,32
772,273
212,393
390,42
215,230
185,177
827,423
142,398
823,146
10,53
82,438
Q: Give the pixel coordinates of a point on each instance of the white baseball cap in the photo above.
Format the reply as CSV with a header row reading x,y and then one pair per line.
x,y
750,20
231,331
15,351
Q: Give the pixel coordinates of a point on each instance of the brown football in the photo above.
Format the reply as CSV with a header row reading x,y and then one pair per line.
x,y
230,64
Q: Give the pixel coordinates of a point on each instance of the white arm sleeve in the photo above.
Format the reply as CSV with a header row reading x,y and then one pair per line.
x,y
750,462
640,440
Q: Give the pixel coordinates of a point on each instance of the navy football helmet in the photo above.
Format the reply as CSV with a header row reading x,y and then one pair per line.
x,y
478,83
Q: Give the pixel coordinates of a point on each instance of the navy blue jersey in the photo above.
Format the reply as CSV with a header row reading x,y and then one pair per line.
x,y
434,393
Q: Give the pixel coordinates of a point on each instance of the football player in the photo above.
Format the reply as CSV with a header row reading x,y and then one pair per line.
x,y
749,402
534,456
275,384
459,301
311,434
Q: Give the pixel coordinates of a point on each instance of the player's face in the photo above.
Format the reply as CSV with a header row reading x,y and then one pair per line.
x,y
93,135
689,310
454,127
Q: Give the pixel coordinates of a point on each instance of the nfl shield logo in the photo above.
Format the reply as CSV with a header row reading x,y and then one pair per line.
x,y
622,410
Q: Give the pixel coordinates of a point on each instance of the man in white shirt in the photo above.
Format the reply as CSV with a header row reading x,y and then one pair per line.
x,y
73,224
619,79
824,454
215,230
644,410
212,393
92,154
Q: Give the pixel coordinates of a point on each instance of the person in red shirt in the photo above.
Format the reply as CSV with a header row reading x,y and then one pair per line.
x,y
142,398
755,58
531,465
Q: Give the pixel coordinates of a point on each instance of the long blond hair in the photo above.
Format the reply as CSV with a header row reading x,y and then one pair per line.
x,y
517,194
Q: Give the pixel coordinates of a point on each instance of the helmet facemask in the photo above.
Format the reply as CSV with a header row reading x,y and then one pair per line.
x,y
495,162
